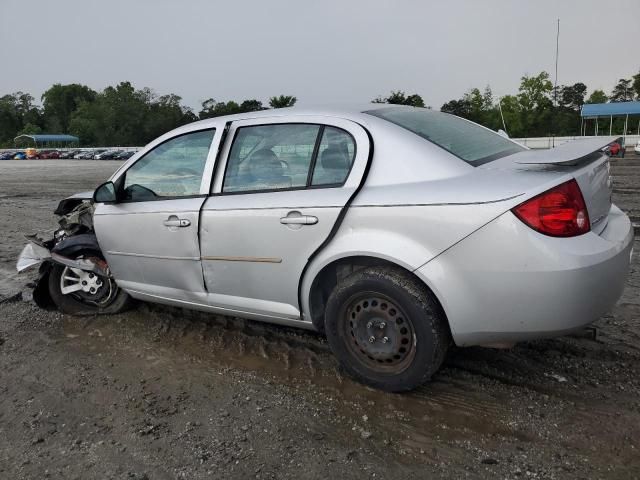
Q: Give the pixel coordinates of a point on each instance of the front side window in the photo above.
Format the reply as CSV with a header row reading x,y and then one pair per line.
x,y
172,169
466,140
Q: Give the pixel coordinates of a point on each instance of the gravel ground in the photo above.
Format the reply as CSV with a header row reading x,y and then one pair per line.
x,y
166,393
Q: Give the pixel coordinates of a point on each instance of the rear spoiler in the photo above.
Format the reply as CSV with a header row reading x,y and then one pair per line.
x,y
571,152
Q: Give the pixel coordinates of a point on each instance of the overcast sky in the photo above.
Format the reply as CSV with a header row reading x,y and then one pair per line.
x,y
320,51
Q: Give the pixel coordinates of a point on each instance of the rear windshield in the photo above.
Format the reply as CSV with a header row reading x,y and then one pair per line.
x,y
470,142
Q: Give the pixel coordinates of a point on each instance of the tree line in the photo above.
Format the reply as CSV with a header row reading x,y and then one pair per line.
x,y
539,109
119,115
123,116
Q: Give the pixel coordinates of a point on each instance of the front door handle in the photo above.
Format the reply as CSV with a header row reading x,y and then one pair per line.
x,y
174,221
296,218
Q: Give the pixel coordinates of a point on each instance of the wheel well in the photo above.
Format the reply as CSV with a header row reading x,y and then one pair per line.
x,y
331,274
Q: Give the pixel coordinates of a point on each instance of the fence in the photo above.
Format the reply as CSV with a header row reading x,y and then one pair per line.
x,y
548,142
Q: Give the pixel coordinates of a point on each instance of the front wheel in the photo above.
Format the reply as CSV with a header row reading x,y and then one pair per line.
x,y
386,329
78,292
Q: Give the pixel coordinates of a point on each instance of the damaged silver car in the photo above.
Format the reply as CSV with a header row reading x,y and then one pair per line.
x,y
396,231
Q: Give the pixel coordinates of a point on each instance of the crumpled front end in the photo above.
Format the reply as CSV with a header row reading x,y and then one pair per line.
x,y
74,235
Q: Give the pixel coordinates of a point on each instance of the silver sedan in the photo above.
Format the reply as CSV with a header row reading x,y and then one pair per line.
x,y
396,231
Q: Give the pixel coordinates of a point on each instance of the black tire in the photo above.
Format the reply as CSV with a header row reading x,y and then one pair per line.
x,y
114,301
386,329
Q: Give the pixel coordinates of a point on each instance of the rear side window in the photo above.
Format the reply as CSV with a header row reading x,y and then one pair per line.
x,y
468,141
335,156
285,156
270,157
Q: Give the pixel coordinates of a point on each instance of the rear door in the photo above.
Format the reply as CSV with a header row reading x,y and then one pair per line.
x,y
150,239
275,200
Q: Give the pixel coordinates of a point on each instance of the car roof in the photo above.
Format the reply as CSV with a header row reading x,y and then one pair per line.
x,y
348,111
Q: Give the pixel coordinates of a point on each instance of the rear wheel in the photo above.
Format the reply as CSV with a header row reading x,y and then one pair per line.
x,y
78,292
386,328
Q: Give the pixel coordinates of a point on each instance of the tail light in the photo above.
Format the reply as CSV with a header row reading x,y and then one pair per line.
x,y
559,212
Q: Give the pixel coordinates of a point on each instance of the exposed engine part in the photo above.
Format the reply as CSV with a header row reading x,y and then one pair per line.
x,y
78,220
70,245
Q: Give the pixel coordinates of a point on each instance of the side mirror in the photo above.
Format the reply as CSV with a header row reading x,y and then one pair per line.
x,y
105,193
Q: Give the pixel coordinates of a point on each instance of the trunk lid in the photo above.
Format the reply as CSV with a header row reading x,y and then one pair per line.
x,y
585,160
594,180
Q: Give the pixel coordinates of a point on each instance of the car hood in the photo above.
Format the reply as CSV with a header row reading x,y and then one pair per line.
x,y
69,203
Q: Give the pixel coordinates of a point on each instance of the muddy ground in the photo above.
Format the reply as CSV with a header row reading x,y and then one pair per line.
x,y
164,393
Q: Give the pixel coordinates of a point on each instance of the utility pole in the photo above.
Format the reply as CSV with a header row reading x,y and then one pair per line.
x,y
555,87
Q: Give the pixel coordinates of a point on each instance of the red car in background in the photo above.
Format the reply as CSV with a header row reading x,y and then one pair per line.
x,y
615,149
49,154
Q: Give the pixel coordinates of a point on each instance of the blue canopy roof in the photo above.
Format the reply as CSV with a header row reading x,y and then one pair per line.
x,y
49,138
608,109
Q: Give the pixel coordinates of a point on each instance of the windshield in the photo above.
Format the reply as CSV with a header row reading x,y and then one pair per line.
x,y
470,142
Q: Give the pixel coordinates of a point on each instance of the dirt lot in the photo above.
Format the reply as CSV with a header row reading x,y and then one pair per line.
x,y
163,393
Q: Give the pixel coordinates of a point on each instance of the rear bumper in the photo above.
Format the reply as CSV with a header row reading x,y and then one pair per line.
x,y
507,283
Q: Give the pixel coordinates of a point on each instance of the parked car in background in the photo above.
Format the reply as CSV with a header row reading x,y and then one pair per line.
x,y
614,149
49,154
89,154
31,153
125,155
7,155
107,155
395,230
20,156
69,153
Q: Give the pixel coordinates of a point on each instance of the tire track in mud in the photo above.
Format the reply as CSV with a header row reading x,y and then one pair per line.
x,y
289,357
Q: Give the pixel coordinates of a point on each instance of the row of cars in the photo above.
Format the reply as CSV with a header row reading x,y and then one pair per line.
x,y
100,154
94,154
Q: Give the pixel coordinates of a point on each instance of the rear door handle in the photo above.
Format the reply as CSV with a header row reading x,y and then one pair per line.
x,y
299,220
174,221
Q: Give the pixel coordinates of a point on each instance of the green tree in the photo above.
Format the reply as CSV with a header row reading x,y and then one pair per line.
x,y
282,101
636,85
597,96
400,98
16,111
512,113
211,108
122,115
622,92
60,101
10,121
476,106
460,108
164,113
252,106
572,96
30,129
535,104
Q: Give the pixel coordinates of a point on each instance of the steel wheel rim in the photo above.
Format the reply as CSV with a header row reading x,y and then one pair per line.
x,y
378,332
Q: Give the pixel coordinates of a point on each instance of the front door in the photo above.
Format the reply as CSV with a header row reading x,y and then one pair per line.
x,y
275,202
150,238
